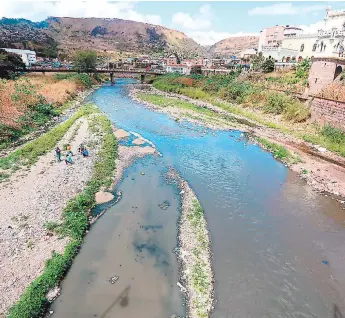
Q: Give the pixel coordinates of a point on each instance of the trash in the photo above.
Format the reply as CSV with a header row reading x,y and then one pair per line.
x,y
164,205
325,262
143,173
322,149
113,279
182,192
183,289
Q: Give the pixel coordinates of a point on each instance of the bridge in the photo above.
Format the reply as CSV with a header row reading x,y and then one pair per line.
x,y
141,72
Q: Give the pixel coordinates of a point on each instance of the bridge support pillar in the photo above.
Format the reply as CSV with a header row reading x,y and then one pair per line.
x,y
112,80
142,78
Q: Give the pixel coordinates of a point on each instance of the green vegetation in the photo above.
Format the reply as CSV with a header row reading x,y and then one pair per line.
x,y
84,79
330,137
268,65
30,152
85,61
278,151
200,274
33,302
9,63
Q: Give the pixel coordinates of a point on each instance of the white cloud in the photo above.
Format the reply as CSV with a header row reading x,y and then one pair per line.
x,y
38,11
199,21
286,9
210,37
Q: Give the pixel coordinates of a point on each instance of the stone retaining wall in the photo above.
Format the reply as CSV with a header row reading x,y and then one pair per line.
x,y
328,111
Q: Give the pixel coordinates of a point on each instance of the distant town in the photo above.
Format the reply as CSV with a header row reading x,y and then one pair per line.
x,y
285,44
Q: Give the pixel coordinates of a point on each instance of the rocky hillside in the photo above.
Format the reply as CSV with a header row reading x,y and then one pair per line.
x,y
234,45
104,35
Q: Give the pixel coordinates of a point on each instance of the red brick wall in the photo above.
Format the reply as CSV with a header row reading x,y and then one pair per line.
x,y
328,111
321,74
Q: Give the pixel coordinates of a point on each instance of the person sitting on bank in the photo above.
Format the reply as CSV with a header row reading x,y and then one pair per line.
x,y
85,152
81,148
68,159
69,150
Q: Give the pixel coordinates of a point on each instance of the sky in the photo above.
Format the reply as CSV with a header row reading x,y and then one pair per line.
x,y
205,21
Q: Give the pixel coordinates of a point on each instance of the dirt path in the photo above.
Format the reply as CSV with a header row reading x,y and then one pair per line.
x,y
31,199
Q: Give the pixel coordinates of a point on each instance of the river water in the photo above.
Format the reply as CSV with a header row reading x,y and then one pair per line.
x,y
278,246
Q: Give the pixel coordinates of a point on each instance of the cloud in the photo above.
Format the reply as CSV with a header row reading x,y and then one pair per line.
x,y
210,37
313,28
286,9
38,11
199,21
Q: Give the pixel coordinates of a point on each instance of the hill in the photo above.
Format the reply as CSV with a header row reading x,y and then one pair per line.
x,y
103,35
234,45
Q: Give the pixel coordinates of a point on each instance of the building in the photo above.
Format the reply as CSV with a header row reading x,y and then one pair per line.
x,y
297,45
247,54
178,68
28,57
271,37
172,60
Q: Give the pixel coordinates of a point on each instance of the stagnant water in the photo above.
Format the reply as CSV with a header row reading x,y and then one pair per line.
x,y
278,246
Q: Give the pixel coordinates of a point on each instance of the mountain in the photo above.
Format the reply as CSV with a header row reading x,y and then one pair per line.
x,y
103,35
233,45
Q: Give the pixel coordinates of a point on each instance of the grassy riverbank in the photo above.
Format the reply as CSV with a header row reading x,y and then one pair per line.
x,y
30,102
74,220
30,152
276,110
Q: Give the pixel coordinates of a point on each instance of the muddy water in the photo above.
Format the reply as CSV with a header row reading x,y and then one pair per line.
x,y
278,246
133,241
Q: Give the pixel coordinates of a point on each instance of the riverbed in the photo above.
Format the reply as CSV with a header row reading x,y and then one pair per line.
x,y
278,246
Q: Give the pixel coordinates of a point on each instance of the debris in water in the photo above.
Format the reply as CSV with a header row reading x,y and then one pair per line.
x,y
113,279
325,262
164,205
183,289
143,173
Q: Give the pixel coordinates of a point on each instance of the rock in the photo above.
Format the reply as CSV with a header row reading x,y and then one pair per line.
x,y
103,197
53,294
143,173
138,141
164,205
182,192
120,133
321,149
113,279
183,289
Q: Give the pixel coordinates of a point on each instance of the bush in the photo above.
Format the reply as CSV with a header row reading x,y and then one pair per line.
x,y
276,103
297,112
268,65
334,134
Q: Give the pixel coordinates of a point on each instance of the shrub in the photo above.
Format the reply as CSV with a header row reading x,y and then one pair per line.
x,y
268,65
334,134
276,103
297,112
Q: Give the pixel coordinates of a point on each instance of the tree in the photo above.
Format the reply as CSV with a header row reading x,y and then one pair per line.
x,y
9,63
268,65
257,61
85,61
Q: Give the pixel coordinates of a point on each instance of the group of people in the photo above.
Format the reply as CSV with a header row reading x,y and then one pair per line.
x,y
68,157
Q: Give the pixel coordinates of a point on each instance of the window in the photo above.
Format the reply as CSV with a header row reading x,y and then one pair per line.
x,y
302,48
314,47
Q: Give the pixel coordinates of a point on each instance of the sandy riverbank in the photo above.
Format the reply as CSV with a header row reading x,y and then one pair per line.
x,y
323,170
34,198
194,253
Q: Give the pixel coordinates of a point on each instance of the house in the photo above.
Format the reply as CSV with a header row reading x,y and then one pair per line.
x,y
28,57
297,45
178,68
171,60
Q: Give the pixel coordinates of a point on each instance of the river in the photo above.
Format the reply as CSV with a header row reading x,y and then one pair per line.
x,y
278,247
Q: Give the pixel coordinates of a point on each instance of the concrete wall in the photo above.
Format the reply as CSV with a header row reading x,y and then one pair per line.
x,y
328,111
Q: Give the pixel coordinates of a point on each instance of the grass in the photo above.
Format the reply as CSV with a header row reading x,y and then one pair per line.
x,y
199,277
33,302
30,152
330,137
278,151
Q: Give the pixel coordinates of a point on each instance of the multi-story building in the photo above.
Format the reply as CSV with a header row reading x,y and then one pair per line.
x,y
326,42
28,57
178,68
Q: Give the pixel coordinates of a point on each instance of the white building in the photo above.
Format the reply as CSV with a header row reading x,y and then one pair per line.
x,y
178,68
28,57
327,42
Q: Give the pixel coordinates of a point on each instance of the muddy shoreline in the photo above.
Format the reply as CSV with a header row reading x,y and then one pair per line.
x,y
324,171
